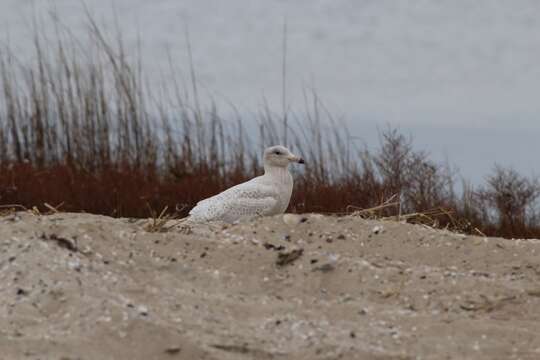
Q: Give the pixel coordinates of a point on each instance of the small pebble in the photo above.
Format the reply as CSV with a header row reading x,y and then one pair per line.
x,y
142,310
377,230
292,219
173,350
21,292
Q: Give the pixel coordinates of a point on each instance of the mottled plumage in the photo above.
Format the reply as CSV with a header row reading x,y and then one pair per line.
x,y
268,194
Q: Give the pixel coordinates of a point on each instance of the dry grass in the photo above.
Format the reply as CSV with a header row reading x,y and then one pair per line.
x,y
79,127
162,222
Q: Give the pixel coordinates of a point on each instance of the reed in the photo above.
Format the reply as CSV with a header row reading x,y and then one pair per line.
x,y
79,126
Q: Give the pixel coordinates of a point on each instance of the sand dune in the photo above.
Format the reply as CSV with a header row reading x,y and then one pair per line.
x,y
79,286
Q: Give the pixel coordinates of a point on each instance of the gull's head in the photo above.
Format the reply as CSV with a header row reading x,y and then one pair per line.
x,y
280,156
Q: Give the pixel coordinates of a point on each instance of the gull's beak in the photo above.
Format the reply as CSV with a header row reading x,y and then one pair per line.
x,y
296,159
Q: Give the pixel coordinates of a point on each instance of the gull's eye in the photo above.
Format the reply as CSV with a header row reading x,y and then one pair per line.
x,y
277,152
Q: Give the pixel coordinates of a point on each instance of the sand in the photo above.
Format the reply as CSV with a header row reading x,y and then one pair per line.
x,y
79,286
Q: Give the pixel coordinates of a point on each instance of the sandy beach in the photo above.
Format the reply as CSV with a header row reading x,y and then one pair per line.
x,y
79,286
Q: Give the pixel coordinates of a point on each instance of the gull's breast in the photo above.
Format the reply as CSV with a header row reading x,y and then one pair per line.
x,y
284,187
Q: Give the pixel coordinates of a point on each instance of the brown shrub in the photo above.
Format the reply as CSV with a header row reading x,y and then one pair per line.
x,y
79,128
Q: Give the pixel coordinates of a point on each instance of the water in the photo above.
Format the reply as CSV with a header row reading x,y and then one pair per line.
x,y
461,76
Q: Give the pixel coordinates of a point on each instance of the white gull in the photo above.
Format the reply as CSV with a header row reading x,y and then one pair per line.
x,y
268,194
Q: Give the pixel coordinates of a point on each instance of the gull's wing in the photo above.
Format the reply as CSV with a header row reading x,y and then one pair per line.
x,y
244,200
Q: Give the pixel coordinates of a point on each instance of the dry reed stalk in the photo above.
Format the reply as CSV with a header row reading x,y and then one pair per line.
x,y
161,222
80,126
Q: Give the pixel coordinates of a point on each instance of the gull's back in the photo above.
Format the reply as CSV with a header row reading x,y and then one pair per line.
x,y
251,198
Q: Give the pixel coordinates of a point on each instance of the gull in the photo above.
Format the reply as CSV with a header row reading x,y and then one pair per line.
x,y
265,195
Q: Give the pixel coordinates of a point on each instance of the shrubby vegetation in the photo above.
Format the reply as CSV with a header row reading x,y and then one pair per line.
x,y
79,128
